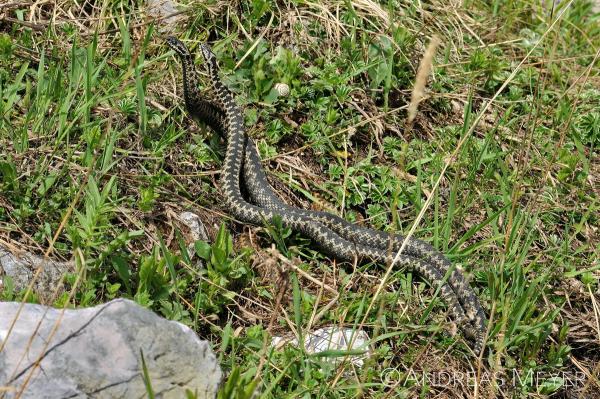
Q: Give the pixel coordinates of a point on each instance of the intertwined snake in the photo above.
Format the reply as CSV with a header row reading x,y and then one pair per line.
x,y
335,235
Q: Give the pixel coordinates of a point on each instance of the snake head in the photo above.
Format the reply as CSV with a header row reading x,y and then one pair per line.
x,y
177,46
207,52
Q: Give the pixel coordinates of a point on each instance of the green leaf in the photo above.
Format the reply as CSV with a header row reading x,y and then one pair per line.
x,y
297,300
121,266
170,259
46,184
146,376
203,249
224,241
8,172
219,260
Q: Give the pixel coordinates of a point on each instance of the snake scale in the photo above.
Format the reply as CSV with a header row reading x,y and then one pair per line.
x,y
336,236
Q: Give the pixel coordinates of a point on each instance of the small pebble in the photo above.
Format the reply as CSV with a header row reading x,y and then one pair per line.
x,y
282,89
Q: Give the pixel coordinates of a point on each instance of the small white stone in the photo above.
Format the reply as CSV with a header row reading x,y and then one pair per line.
x,y
332,338
282,89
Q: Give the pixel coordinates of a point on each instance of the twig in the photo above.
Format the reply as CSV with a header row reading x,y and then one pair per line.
x,y
40,26
16,4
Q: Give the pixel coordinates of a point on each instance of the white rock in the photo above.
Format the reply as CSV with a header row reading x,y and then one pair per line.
x,y
193,222
282,89
197,232
333,338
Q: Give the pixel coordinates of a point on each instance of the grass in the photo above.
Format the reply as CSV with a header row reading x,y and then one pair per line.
x,y
98,155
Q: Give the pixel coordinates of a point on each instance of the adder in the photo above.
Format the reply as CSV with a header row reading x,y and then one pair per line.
x,y
335,235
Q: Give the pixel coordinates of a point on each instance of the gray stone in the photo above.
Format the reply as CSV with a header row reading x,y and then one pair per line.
x,y
197,231
166,13
96,352
21,267
194,223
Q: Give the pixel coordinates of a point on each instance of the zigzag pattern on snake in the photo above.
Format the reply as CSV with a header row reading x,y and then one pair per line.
x,y
334,234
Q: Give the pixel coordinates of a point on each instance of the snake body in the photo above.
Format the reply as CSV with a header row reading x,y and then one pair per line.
x,y
335,235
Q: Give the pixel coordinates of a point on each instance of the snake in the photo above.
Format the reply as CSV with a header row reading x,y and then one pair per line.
x,y
334,235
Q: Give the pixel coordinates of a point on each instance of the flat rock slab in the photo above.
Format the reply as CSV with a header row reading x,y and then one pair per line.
x,y
96,352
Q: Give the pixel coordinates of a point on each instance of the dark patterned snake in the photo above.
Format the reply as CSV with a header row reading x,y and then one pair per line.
x,y
336,236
